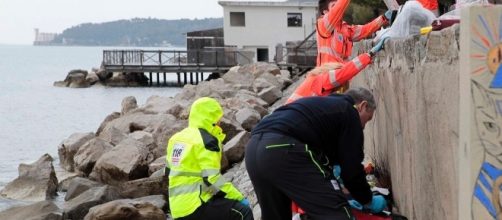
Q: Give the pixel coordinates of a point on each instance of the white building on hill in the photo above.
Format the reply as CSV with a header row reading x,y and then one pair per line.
x,y
260,26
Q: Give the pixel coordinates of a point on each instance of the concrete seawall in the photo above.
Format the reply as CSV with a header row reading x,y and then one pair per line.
x,y
414,134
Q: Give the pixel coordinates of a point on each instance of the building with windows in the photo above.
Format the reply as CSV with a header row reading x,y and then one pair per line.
x,y
260,26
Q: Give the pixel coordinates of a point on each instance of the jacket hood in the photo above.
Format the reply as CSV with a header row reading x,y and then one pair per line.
x,y
205,113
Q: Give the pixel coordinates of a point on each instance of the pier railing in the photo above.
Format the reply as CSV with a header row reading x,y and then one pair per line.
x,y
165,60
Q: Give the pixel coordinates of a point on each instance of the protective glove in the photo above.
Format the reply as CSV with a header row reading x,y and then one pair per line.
x,y
245,202
355,204
378,46
390,15
377,205
337,171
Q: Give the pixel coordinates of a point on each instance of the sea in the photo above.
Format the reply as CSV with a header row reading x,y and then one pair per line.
x,y
35,116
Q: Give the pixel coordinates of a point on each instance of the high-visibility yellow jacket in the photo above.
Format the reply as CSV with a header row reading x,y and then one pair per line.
x,y
193,159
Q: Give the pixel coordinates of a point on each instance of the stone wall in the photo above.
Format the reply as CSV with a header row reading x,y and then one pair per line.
x,y
414,133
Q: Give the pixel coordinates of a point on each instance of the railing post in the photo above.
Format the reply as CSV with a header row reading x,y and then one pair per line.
x,y
122,58
141,58
197,60
160,58
179,58
216,56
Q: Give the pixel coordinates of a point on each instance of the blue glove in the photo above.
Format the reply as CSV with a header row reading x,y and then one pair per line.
x,y
245,202
378,46
377,205
388,14
337,171
355,204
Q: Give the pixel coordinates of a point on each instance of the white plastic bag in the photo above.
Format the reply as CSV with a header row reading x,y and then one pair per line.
x,y
411,17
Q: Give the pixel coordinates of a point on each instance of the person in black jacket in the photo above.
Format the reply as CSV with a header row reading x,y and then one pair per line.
x,y
292,151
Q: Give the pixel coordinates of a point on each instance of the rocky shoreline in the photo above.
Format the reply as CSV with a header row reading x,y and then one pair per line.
x,y
117,171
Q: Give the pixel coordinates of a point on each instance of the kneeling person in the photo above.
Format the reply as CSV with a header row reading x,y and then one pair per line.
x,y
197,190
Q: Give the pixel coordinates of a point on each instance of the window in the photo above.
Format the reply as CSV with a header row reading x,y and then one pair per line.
x,y
294,19
237,19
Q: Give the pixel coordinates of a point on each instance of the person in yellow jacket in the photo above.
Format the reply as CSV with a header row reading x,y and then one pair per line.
x,y
197,190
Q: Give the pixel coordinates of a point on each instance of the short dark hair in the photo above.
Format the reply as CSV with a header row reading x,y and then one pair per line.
x,y
323,5
360,94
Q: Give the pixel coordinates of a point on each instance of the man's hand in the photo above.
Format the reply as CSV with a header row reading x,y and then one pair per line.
x,y
245,202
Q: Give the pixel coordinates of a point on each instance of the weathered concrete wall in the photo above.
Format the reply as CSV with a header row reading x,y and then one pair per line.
x,y
414,134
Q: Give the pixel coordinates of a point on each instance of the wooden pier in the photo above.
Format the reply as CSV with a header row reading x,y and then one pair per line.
x,y
189,65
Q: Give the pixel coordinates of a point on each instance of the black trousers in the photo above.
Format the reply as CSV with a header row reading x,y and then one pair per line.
x,y
282,170
219,208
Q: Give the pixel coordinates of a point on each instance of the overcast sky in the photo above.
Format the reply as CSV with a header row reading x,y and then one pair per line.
x,y
18,18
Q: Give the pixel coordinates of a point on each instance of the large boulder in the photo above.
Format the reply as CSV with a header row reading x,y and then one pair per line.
x,y
163,105
158,164
127,161
89,153
69,147
79,185
108,118
127,79
78,207
270,95
125,209
144,187
129,103
36,181
75,79
112,135
248,118
44,210
234,149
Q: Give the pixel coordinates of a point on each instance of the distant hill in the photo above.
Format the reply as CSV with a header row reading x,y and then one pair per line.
x,y
135,32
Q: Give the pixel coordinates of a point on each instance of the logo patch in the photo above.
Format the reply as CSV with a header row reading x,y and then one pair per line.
x,y
177,153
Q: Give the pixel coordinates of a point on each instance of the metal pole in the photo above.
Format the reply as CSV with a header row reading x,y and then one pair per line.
x,y
158,79
151,82
179,78
165,81
196,77
191,78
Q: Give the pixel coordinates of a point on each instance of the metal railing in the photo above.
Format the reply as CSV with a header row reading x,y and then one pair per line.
x,y
163,58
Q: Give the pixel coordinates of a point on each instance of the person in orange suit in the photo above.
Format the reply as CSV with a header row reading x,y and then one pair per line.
x,y
329,77
335,36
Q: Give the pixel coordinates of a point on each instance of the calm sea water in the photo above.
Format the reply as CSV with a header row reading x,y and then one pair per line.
x,y
35,116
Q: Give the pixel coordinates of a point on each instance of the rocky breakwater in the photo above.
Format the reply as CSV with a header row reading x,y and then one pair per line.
x,y
117,172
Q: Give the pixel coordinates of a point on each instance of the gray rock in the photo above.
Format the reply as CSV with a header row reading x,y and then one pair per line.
x,y
230,128
69,147
156,200
112,135
248,118
92,78
144,187
44,210
128,104
235,148
270,95
77,79
78,207
36,181
125,209
108,118
87,155
79,185
126,161
158,164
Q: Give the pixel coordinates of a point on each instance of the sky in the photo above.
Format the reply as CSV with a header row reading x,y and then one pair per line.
x,y
19,18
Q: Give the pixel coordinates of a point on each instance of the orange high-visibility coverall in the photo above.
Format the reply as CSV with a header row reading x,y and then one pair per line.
x,y
335,37
429,4
327,82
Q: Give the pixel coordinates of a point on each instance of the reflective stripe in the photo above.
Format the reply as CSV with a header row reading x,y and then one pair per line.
x,y
357,33
332,78
329,51
216,187
209,172
358,63
183,173
381,21
184,189
327,24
